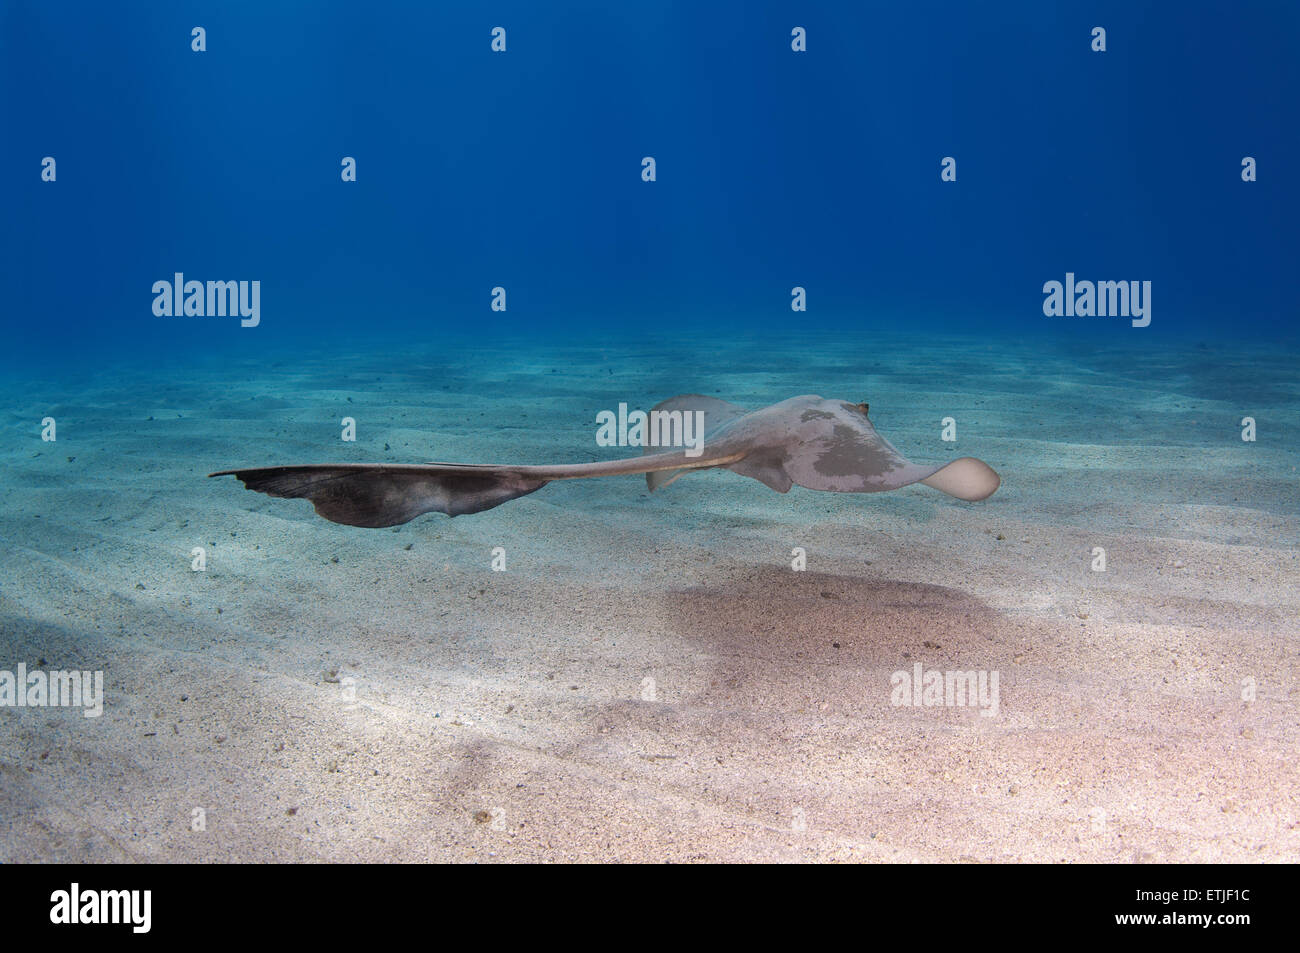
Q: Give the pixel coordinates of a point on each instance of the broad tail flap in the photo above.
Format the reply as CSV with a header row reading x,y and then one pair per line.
x,y
377,495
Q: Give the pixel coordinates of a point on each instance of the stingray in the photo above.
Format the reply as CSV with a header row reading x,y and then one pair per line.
x,y
804,441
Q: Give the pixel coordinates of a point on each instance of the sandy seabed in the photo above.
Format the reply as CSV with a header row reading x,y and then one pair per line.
x,y
649,680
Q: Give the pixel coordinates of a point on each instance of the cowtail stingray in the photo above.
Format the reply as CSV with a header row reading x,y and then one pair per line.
x,y
804,441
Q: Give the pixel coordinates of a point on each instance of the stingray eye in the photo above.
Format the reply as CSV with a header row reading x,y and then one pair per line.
x,y
864,406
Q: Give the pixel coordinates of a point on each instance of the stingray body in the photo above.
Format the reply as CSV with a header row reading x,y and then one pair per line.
x,y
804,441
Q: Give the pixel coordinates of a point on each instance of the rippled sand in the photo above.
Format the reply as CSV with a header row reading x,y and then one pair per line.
x,y
329,693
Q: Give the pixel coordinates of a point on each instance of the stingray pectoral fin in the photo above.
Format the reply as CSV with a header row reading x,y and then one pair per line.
x,y
657,479
378,495
966,479
715,412
765,467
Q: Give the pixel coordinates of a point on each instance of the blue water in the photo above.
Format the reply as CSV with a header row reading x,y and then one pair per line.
x,y
776,170
522,169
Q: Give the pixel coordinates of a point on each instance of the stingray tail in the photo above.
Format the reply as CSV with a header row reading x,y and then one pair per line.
x,y
377,496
